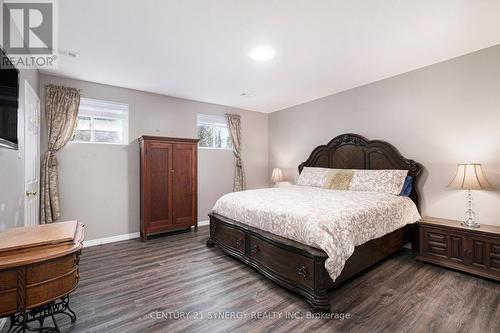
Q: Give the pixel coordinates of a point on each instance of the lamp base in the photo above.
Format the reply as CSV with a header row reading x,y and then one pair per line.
x,y
470,224
469,213
282,184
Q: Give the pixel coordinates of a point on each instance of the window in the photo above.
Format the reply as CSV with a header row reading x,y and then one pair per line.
x,y
213,132
101,122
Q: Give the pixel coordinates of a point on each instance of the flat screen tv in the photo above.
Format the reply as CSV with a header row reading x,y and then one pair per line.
x,y
9,101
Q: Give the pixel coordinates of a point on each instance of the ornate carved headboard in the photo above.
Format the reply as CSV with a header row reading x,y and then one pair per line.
x,y
352,151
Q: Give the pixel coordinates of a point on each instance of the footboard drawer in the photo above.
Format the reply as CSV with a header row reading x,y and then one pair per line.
x,y
227,236
288,265
293,265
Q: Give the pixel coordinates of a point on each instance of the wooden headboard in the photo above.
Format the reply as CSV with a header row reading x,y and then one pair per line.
x,y
352,151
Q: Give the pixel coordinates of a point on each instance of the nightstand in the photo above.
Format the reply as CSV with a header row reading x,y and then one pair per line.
x,y
472,250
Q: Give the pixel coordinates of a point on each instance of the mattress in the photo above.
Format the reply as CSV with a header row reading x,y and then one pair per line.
x,y
333,221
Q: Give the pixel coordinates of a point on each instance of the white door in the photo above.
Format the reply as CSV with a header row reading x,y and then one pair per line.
x,y
31,156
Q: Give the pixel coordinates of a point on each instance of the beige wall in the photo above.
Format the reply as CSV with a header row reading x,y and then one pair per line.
x,y
99,184
440,115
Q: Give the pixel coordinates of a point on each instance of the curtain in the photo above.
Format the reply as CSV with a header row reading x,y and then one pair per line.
x,y
234,125
61,112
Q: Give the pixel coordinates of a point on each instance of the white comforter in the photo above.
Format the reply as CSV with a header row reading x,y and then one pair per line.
x,y
334,221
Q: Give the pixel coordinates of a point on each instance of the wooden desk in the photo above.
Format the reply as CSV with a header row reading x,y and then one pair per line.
x,y
38,265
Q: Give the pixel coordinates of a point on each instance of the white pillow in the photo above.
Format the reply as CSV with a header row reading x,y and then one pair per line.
x,y
316,177
385,181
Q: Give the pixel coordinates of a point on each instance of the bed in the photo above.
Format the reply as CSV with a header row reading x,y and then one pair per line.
x,y
310,258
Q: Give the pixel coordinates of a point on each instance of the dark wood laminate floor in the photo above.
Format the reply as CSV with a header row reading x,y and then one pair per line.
x,y
132,286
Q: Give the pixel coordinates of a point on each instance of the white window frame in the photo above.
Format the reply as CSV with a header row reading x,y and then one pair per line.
x,y
212,120
95,108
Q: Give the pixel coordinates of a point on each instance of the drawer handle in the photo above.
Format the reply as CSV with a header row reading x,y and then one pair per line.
x,y
255,248
302,271
239,241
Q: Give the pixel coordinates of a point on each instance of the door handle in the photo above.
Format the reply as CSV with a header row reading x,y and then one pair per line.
x,y
28,193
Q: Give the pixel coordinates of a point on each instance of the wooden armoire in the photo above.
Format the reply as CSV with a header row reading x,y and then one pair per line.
x,y
168,184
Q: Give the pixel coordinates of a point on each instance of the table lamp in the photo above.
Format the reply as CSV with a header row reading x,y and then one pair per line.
x,y
470,177
277,176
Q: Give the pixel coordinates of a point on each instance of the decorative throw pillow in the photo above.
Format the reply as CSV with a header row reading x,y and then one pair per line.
x,y
316,177
385,181
339,179
407,187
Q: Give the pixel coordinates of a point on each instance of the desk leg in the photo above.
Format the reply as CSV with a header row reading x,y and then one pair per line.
x,y
24,321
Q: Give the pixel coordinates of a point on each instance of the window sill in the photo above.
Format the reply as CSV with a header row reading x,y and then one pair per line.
x,y
213,148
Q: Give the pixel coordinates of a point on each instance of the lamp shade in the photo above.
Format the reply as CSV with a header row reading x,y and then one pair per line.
x,y
470,177
277,175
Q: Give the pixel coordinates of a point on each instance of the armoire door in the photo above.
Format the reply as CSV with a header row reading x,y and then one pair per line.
x,y
184,184
158,186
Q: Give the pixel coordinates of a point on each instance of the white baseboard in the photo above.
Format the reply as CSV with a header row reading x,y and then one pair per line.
x,y
112,239
202,223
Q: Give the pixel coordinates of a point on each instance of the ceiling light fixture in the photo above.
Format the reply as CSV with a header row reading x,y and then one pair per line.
x,y
262,53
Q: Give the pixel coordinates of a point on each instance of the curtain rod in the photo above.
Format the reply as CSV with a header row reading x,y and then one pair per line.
x,y
61,86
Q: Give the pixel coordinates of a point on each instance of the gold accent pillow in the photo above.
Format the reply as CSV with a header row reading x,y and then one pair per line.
x,y
338,179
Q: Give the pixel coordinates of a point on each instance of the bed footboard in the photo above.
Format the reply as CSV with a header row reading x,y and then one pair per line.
x,y
295,266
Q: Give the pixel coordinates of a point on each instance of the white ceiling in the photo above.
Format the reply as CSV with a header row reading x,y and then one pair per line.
x,y
199,49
